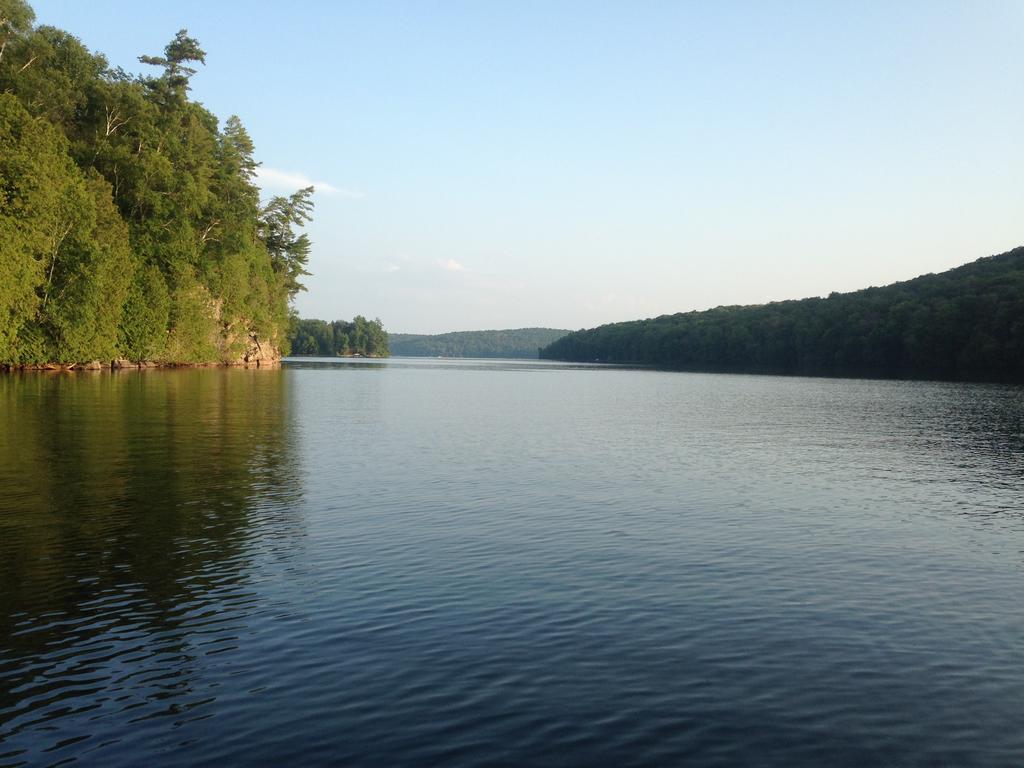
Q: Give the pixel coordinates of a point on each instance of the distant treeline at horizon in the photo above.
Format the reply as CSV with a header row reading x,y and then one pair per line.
x,y
339,338
963,324
514,343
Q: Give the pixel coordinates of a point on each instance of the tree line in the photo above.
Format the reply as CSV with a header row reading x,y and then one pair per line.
x,y
513,343
363,337
963,324
130,223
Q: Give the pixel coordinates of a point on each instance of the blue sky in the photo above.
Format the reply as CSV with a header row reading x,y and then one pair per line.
x,y
565,164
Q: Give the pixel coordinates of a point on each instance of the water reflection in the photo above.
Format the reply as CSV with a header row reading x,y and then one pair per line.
x,y
133,507
475,562
442,363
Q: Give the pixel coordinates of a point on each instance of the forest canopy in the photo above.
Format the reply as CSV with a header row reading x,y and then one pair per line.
x,y
513,343
130,224
362,337
963,324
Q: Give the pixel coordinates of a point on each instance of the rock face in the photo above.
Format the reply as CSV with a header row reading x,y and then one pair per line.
x,y
259,352
240,345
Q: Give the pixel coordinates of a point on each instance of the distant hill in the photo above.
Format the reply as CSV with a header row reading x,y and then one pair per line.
x,y
517,342
963,324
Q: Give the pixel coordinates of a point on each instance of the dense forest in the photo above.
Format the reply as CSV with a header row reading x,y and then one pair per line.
x,y
517,342
130,226
963,324
362,337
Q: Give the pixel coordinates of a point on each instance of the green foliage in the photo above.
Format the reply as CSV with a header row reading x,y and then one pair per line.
x,y
142,334
44,210
963,324
16,19
366,338
129,222
515,343
170,89
193,337
288,252
90,283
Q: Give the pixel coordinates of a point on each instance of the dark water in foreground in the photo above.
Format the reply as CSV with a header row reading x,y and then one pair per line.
x,y
426,562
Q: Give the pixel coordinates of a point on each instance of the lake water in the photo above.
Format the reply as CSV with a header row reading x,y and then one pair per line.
x,y
425,562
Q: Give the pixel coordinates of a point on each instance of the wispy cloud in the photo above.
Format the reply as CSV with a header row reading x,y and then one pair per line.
x,y
287,181
392,268
449,264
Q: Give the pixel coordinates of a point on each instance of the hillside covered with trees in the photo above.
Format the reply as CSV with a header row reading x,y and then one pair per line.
x,y
366,338
130,225
515,343
963,324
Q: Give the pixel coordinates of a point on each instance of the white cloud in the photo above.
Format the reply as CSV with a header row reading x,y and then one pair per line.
x,y
392,268
286,181
450,264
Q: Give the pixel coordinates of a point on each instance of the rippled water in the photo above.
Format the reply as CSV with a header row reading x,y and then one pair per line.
x,y
430,562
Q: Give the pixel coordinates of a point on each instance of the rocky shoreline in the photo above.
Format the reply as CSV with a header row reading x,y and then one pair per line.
x,y
121,365
257,355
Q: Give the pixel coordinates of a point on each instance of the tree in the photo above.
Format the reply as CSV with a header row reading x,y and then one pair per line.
x,y
237,150
42,202
16,19
289,252
88,289
175,80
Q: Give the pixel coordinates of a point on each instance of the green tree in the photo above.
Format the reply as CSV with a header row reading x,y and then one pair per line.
x,y
16,19
85,298
43,205
289,252
173,85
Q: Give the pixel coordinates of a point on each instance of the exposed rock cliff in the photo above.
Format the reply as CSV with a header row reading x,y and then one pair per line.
x,y
260,353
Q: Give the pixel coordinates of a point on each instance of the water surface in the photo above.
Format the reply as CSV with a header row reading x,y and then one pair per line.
x,y
495,562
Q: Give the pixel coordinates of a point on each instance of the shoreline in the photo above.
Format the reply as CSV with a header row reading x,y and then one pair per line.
x,y
126,365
